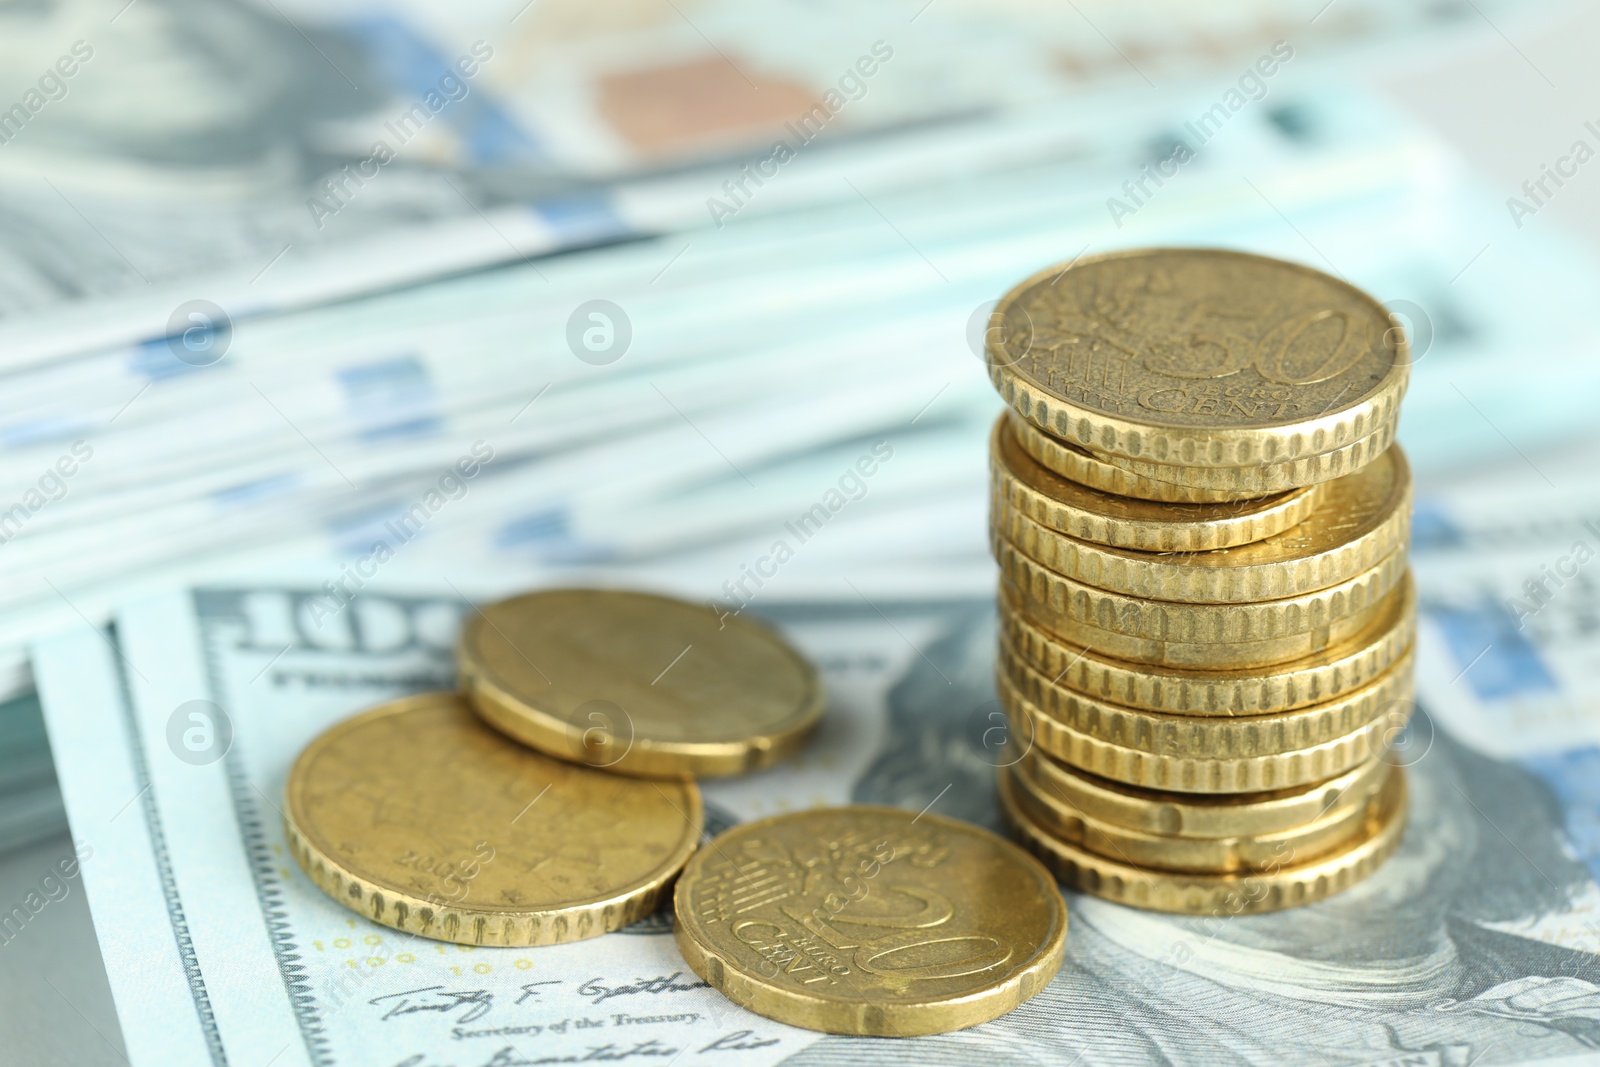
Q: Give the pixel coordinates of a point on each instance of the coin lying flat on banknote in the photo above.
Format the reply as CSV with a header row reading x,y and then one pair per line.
x,y
419,817
1197,357
872,921
637,683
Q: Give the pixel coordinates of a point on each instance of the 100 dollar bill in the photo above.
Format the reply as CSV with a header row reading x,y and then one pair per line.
x,y
174,732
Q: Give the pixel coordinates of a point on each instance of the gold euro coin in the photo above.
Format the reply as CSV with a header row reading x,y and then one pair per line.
x,y
1202,655
1288,883
871,921
1183,773
1267,477
1168,814
418,816
1330,832
1159,481
1211,736
1215,623
1315,678
637,683
1024,487
1197,357
1083,467
1360,520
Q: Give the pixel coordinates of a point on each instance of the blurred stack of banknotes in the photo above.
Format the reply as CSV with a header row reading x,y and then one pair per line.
x,y
386,307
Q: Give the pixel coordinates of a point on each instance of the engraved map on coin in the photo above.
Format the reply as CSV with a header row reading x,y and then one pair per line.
x,y
1197,338
870,921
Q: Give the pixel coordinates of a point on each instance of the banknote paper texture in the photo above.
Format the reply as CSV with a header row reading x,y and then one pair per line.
x,y
1473,945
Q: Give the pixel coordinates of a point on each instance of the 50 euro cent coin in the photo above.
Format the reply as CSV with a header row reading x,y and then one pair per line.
x,y
1169,482
870,921
1329,832
1185,773
1021,485
1285,880
1194,357
1348,664
1214,736
1191,634
1191,815
1358,521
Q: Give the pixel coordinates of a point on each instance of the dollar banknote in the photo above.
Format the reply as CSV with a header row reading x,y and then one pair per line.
x,y
756,359
174,730
1509,574
286,154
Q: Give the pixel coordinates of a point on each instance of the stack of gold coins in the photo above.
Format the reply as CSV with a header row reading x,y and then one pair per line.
x,y
1206,612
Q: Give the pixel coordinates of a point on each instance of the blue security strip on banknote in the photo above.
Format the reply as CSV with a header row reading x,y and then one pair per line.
x,y
175,730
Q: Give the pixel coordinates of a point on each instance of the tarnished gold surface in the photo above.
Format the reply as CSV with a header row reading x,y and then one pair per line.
x,y
637,683
1164,481
1022,486
1203,816
420,817
1341,668
1289,882
872,921
1333,831
1197,357
1211,736
1360,520
1188,773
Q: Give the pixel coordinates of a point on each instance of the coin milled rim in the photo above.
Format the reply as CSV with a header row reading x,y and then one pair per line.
x,y
515,714
1268,477
464,923
1211,736
1023,485
1200,815
1175,484
1286,564
1200,655
1331,831
1166,620
1079,465
1271,442
1227,690
1291,885
1198,774
843,1015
